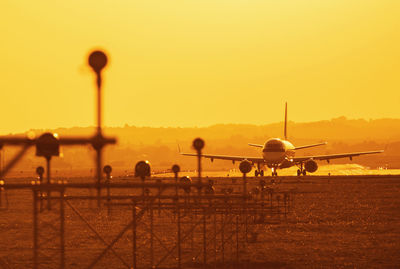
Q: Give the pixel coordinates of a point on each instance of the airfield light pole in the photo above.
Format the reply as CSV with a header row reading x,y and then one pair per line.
x,y
107,170
1,169
176,169
1,155
198,145
245,167
40,172
98,60
48,146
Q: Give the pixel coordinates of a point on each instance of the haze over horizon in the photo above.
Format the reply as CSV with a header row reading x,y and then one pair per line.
x,y
290,122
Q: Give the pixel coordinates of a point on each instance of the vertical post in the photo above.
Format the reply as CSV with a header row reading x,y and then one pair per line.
x,y
244,184
48,159
41,193
222,238
179,234
134,235
205,238
215,238
245,167
199,165
192,218
108,197
107,170
175,170
159,193
98,161
237,239
98,60
35,231
1,169
151,235
62,229
198,145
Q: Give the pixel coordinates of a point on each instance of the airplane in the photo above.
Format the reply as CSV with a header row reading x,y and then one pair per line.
x,y
280,153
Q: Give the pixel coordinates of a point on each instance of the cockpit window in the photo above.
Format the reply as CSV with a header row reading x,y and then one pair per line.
x,y
274,146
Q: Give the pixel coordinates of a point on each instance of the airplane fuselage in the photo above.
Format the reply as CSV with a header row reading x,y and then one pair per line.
x,y
277,153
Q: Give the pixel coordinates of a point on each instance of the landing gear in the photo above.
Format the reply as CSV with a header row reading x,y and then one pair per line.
x,y
301,171
259,172
274,173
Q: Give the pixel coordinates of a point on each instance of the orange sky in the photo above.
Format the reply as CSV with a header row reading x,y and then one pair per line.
x,y
196,63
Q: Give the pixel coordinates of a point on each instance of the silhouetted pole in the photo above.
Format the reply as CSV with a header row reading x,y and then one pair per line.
x,y
198,145
98,60
245,167
62,229
134,246
47,145
48,159
1,168
1,163
142,170
176,169
40,172
35,231
107,170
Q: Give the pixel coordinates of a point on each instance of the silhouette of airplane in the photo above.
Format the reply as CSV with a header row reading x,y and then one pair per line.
x,y
279,154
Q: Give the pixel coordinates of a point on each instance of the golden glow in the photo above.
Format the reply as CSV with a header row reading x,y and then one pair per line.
x,y
31,135
196,63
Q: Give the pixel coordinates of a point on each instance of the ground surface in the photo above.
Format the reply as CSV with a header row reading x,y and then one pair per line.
x,y
342,222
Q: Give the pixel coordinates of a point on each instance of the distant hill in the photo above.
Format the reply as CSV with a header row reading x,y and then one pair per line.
x,y
337,129
159,145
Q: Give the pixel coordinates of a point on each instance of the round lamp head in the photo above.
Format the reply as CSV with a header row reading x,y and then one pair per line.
x,y
40,170
107,169
176,169
142,169
97,60
198,144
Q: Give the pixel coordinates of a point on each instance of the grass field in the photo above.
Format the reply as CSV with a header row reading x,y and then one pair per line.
x,y
350,222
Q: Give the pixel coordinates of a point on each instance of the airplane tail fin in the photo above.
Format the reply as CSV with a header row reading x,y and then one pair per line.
x,y
285,128
179,147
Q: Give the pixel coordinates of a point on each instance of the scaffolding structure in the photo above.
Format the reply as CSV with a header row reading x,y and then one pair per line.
x,y
175,224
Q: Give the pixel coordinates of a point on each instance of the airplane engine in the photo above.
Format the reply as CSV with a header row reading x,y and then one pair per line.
x,y
311,166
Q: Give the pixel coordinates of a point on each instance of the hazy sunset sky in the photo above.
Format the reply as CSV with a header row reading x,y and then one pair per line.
x,y
198,62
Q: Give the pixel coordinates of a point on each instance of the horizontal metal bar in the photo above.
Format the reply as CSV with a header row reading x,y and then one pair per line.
x,y
65,185
10,140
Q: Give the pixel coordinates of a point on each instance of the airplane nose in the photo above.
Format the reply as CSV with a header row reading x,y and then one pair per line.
x,y
274,156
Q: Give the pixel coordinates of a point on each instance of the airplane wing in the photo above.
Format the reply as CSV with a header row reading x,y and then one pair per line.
x,y
256,145
333,156
310,146
227,157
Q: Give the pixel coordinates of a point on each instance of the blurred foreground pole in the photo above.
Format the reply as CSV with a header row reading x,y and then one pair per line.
x,y
198,145
98,60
